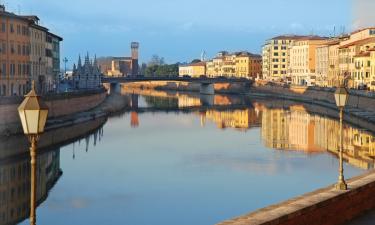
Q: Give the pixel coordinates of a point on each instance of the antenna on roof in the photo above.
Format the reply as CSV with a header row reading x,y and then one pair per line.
x,y
19,9
334,31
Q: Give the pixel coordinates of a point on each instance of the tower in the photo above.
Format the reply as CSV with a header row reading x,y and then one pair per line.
x,y
134,48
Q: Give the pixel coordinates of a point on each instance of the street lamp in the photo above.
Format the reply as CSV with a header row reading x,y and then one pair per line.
x,y
33,114
341,97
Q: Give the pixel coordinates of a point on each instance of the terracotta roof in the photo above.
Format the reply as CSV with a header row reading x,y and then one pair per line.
x,y
195,64
298,37
363,54
362,29
359,42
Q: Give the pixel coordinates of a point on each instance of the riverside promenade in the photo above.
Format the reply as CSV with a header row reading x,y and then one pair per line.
x,y
326,206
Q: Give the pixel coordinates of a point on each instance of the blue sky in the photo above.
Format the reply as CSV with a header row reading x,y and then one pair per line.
x,y
179,30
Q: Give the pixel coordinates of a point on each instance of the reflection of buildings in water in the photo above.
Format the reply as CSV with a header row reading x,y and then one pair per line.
x,y
296,129
15,185
222,100
185,100
97,135
134,120
241,119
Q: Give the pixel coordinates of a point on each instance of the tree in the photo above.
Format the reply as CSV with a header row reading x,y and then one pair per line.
x,y
196,61
156,60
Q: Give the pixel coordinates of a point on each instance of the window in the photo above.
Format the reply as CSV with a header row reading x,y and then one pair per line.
x,y
4,69
3,27
275,48
275,54
11,28
4,48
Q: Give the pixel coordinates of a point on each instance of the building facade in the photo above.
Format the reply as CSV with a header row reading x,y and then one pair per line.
x,y
87,75
24,55
193,69
15,54
238,64
303,60
276,58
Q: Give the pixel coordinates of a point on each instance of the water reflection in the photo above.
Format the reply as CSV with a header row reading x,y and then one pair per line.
x,y
15,184
295,129
284,128
287,128
15,176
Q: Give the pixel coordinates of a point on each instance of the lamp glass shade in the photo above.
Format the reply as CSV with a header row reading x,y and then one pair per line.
x,y
341,97
33,114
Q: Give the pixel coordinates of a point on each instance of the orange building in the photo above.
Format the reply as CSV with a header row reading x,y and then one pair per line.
x,y
15,53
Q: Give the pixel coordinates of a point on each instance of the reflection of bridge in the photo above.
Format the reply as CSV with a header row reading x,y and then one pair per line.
x,y
207,84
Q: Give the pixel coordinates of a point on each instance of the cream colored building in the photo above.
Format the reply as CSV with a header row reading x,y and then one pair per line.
x,y
275,58
322,65
333,64
303,60
38,56
193,69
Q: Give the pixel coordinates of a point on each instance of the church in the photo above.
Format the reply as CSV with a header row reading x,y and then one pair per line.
x,y
88,75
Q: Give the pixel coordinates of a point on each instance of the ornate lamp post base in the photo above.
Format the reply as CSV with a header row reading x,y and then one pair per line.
x,y
341,186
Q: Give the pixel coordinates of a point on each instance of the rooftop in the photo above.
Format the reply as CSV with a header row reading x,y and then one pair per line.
x,y
359,42
298,37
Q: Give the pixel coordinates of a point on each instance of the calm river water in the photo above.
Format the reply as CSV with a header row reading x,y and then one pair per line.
x,y
183,159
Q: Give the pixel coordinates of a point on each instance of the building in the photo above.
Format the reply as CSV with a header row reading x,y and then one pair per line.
x,y
193,69
248,65
238,64
53,76
24,55
275,57
121,66
333,64
38,55
15,54
303,60
352,53
322,65
87,75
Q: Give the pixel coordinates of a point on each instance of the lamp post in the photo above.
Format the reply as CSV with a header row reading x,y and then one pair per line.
x,y
341,98
33,114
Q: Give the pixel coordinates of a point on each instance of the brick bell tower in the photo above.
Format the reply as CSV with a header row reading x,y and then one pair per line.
x,y
134,48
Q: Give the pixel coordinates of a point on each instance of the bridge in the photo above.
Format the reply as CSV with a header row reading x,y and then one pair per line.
x,y
206,83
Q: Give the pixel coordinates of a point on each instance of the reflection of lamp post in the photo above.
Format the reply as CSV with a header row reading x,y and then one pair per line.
x,y
341,97
33,114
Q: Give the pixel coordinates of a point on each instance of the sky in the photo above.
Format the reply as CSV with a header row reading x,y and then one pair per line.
x,y
179,30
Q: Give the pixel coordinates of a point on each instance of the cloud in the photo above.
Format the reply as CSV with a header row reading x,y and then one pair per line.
x,y
363,13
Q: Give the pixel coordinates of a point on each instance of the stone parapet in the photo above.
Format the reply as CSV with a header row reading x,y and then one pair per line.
x,y
326,206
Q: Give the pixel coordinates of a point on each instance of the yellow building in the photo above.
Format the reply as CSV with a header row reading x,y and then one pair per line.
x,y
303,60
193,69
238,64
238,119
354,58
353,48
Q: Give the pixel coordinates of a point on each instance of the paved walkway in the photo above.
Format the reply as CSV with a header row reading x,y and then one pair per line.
x,y
367,219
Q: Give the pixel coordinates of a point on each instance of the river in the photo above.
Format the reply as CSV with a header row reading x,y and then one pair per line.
x,y
177,158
